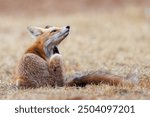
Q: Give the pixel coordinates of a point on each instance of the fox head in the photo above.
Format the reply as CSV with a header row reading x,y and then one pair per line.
x,y
49,37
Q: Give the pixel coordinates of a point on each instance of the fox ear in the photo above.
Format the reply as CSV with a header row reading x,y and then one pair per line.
x,y
35,31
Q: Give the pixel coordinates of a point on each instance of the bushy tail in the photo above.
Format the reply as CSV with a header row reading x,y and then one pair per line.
x,y
102,77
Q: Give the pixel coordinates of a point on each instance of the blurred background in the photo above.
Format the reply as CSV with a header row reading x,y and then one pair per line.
x,y
65,7
111,32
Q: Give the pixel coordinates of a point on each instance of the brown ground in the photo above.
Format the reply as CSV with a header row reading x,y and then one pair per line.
x,y
113,36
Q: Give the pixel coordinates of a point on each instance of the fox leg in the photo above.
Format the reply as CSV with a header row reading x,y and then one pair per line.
x,y
56,69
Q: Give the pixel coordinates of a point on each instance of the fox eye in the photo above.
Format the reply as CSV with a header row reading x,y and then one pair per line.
x,y
48,26
54,30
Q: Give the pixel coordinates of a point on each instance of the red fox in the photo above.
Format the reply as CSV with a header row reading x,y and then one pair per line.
x,y
42,64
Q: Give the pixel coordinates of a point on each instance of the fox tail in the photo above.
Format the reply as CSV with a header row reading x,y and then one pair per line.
x,y
102,77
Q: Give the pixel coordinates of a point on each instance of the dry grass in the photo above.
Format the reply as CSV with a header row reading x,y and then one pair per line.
x,y
116,41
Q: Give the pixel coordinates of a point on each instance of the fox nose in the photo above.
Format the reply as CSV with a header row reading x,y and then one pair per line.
x,y
68,27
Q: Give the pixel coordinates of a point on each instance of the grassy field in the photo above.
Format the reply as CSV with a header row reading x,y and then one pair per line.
x,y
117,41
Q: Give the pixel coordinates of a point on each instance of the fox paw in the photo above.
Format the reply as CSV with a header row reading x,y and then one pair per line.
x,y
56,59
56,62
